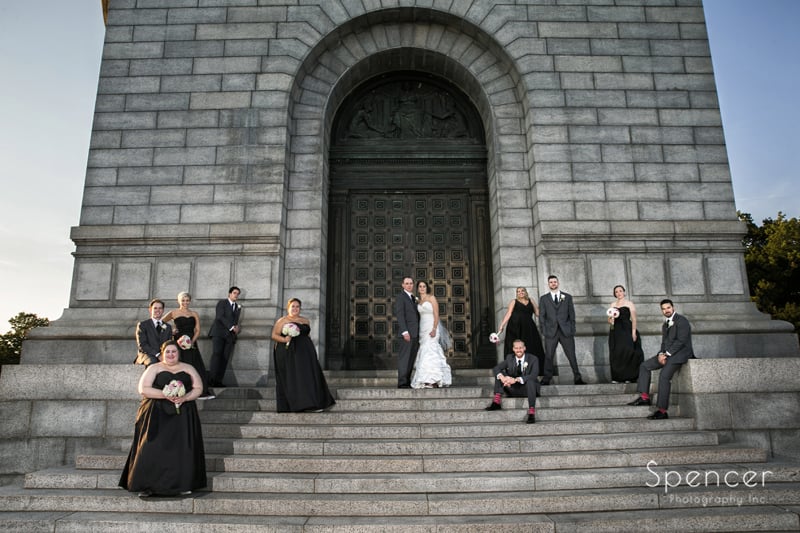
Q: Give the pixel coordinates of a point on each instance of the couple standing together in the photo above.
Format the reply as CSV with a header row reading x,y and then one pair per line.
x,y
420,353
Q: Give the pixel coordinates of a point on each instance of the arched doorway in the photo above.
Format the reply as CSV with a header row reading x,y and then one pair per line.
x,y
408,196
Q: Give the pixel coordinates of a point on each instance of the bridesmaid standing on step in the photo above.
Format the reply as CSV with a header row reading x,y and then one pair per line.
x,y
299,382
187,323
624,344
520,325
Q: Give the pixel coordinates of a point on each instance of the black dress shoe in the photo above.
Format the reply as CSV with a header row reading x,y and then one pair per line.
x,y
531,419
639,401
544,382
658,415
579,381
494,406
145,494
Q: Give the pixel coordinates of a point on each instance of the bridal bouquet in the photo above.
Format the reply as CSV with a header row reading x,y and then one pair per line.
x,y
292,330
174,389
185,342
494,338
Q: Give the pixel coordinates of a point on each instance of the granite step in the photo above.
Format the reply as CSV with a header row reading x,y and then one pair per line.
x,y
730,519
503,427
459,416
659,476
401,463
475,402
387,505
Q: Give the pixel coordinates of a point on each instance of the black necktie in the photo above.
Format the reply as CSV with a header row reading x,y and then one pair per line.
x,y
519,367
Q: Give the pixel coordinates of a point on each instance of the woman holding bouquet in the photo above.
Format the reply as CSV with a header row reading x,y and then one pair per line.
x,y
167,456
520,325
299,382
624,345
187,330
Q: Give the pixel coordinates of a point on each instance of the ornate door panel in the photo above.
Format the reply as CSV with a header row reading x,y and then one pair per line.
x,y
392,235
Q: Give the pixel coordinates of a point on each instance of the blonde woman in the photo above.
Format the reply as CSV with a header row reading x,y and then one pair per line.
x,y
187,323
519,324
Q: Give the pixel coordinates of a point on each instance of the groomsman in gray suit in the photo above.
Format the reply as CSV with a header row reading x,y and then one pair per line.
x,y
676,349
223,334
407,315
151,334
557,317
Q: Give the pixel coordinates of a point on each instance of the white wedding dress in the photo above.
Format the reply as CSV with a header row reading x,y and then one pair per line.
x,y
430,366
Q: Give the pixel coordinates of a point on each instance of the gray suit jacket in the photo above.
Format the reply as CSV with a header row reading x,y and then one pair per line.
x,y
552,315
508,367
149,341
224,319
407,315
677,340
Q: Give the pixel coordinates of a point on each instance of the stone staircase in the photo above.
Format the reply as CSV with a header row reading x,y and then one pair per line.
x,y
384,459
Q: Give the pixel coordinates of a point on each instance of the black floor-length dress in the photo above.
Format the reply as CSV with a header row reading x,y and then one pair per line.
x,y
299,382
625,356
521,326
167,455
185,326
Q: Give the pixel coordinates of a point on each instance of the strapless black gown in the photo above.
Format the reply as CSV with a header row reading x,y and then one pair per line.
x,y
167,455
184,325
299,382
625,356
521,326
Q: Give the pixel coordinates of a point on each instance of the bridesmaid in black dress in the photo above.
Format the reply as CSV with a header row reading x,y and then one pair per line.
x,y
520,325
167,456
187,323
624,344
299,382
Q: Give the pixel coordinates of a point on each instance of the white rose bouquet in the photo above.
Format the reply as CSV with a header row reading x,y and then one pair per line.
x,y
494,338
612,313
185,342
292,330
174,389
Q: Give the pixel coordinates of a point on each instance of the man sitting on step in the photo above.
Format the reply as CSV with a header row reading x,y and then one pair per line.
x,y
516,375
676,349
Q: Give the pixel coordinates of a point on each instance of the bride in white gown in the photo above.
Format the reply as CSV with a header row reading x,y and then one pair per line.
x,y
430,368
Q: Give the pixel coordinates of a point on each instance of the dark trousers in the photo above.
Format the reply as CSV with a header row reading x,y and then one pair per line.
x,y
530,389
664,379
550,345
405,360
222,349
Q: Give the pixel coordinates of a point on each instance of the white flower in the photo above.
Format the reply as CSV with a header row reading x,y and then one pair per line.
x,y
560,297
613,312
494,338
524,365
185,342
291,330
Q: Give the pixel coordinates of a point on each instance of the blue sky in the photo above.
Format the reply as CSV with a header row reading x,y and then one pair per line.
x,y
50,58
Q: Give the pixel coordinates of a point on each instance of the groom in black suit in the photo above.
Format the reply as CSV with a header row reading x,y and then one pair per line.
x,y
407,314
676,349
223,334
516,375
151,334
557,317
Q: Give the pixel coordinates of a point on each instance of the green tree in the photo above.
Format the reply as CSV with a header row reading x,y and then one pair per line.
x,y
11,342
772,259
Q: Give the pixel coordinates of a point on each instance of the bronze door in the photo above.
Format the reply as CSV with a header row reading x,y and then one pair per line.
x,y
380,237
